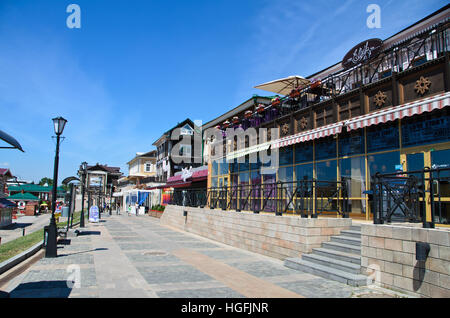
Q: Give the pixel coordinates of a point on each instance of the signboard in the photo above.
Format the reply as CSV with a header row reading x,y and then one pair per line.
x,y
93,214
361,53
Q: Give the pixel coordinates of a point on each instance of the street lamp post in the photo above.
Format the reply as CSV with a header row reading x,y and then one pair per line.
x,y
51,248
83,171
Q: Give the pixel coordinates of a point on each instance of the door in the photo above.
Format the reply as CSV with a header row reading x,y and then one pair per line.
x,y
440,161
223,191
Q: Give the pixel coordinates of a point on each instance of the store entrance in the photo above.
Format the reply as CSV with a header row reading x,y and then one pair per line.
x,y
437,195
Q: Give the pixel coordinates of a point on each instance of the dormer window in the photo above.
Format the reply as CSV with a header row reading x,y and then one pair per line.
x,y
186,130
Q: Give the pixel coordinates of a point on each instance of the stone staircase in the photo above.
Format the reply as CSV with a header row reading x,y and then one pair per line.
x,y
338,259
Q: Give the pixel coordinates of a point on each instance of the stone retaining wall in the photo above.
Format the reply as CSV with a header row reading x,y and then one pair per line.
x,y
275,236
392,248
155,214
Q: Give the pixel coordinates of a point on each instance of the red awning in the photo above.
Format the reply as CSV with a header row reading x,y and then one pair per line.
x,y
320,132
398,112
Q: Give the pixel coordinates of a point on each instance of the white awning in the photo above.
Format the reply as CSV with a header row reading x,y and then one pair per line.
x,y
243,152
284,86
320,132
398,112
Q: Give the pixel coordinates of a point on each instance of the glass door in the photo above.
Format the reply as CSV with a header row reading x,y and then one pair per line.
x,y
440,161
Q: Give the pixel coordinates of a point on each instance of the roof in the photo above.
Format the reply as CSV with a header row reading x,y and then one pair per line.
x,y
243,106
33,188
5,172
104,168
168,133
439,15
6,204
23,196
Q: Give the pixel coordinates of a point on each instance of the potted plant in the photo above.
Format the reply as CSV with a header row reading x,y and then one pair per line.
x,y
260,108
276,101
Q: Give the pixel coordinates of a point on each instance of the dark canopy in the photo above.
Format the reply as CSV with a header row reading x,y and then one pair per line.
x,y
10,140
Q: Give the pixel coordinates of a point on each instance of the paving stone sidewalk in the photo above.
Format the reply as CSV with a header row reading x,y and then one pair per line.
x,y
134,256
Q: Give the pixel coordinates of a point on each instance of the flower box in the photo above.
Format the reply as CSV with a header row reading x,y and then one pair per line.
x,y
248,114
260,108
235,119
276,101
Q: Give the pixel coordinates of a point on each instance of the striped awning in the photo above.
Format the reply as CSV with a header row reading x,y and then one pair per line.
x,y
398,112
243,152
324,131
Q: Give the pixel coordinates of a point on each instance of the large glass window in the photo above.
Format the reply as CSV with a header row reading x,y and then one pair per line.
x,y
353,172
285,174
382,137
384,163
223,168
244,164
286,155
351,143
304,152
325,148
213,182
426,129
304,172
215,168
326,170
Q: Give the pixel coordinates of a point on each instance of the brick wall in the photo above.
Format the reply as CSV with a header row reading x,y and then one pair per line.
x,y
275,236
393,249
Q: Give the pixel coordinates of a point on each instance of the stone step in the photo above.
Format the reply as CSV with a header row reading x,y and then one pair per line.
x,y
346,240
347,248
351,233
342,256
355,228
333,263
326,272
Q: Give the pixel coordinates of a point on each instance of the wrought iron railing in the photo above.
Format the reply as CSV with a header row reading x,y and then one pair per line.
x,y
305,197
407,196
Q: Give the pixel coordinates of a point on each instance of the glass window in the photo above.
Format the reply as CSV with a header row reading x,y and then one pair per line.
x,y
353,172
223,168
426,129
440,160
286,155
382,137
244,178
304,152
351,143
326,170
285,174
234,166
244,164
255,177
325,148
303,172
214,182
384,162
215,168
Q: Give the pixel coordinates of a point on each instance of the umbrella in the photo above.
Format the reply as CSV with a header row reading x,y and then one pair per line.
x,y
284,85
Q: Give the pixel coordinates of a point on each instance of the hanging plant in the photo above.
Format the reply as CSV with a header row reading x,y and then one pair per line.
x,y
248,114
276,101
260,108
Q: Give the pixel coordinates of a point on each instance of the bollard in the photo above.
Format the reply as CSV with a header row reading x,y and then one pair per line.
x,y
23,232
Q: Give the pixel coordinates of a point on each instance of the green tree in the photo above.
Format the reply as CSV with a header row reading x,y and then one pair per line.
x,y
46,180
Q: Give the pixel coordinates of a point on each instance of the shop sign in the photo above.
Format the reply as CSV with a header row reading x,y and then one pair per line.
x,y
93,214
362,53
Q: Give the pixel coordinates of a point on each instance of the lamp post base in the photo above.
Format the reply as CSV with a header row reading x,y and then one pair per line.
x,y
51,247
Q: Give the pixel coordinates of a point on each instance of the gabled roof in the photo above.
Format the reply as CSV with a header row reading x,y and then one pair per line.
x,y
105,168
33,188
23,196
5,172
168,133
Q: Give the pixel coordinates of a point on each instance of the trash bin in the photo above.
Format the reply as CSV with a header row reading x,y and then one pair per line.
x,y
46,234
65,211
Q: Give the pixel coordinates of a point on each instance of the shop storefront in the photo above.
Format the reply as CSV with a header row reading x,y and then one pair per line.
x,y
380,113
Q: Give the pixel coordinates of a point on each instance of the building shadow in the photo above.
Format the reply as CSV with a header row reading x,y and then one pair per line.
x,y
16,226
42,289
81,252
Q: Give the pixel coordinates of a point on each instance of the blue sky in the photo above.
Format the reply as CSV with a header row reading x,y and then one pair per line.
x,y
137,67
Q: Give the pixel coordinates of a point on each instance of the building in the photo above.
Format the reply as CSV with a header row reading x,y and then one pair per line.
x,y
383,109
176,151
133,188
142,168
6,206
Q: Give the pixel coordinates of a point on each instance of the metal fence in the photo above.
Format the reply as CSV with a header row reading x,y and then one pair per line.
x,y
410,196
305,197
